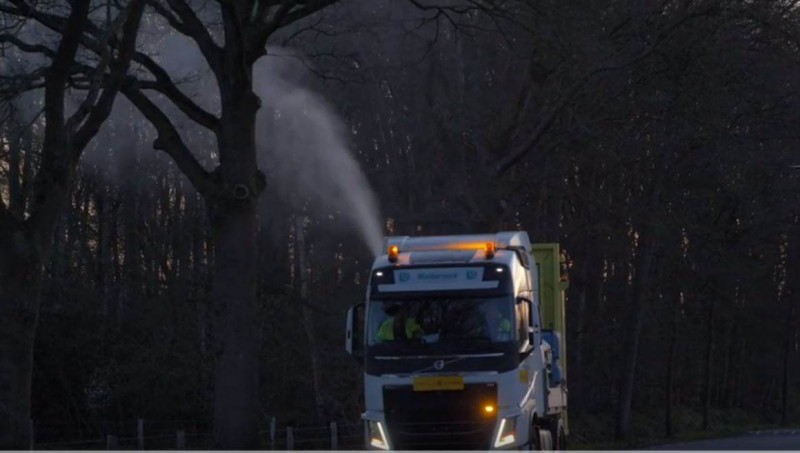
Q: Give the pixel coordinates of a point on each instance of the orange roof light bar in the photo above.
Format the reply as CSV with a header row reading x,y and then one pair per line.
x,y
489,249
394,253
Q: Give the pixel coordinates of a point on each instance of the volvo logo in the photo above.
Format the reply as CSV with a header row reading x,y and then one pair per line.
x,y
439,364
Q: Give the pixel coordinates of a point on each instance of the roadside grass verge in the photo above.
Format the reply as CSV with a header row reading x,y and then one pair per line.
x,y
596,431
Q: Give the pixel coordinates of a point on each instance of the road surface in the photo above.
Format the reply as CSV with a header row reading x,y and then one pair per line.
x,y
778,439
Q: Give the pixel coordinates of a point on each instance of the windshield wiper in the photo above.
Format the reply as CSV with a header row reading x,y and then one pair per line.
x,y
445,356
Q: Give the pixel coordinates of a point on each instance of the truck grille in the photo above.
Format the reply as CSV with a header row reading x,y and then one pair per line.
x,y
440,420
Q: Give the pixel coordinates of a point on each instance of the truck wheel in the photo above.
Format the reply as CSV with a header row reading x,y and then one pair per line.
x,y
545,440
533,438
560,439
556,429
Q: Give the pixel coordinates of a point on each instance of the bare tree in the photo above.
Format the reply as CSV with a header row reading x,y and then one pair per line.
x,y
233,188
27,225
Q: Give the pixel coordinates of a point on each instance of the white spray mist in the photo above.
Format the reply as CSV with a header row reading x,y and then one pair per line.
x,y
304,151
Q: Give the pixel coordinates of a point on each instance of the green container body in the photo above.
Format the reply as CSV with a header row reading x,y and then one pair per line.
x,y
552,287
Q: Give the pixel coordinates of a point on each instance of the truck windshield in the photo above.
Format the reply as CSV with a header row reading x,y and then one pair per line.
x,y
461,320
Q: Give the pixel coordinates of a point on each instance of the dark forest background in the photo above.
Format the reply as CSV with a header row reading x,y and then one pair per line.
x,y
656,141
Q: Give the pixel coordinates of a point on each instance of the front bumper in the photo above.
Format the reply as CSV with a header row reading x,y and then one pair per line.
x,y
445,436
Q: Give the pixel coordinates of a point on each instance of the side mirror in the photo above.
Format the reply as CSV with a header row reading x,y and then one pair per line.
x,y
528,326
353,342
532,327
548,360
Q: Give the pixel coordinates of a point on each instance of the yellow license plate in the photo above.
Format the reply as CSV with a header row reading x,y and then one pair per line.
x,y
432,383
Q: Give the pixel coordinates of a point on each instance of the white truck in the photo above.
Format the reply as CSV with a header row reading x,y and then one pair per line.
x,y
463,344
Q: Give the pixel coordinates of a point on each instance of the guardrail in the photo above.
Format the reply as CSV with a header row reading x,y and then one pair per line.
x,y
335,435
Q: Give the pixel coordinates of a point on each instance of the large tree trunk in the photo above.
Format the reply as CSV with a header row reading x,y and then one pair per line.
x,y
308,316
669,393
234,296
20,283
23,248
791,334
708,359
787,348
589,289
643,263
235,226
25,243
17,316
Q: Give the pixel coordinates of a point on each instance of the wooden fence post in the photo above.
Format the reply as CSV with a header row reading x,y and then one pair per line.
x,y
272,434
180,440
140,433
112,442
289,438
334,437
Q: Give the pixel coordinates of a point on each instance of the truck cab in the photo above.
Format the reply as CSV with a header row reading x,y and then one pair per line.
x,y
455,350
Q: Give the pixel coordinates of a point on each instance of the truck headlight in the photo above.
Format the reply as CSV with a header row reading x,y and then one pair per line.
x,y
377,435
506,433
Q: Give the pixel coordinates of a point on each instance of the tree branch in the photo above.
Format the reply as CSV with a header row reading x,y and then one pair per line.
x,y
170,141
97,75
544,124
27,47
550,116
55,80
286,14
439,8
194,28
59,72
56,23
6,219
164,85
16,199
274,23
261,11
300,13
93,83
12,86
53,178
119,70
173,21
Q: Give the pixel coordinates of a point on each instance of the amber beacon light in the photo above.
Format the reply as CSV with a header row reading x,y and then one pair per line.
x,y
394,253
489,248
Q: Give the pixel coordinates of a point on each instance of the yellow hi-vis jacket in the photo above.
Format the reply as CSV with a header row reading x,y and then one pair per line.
x,y
386,331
